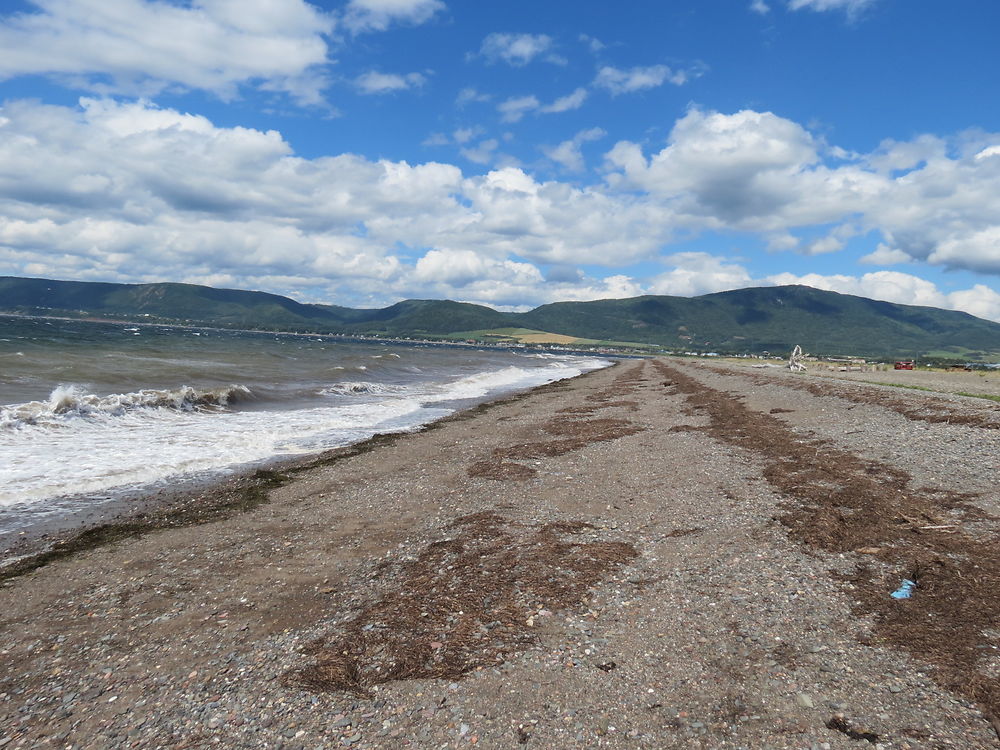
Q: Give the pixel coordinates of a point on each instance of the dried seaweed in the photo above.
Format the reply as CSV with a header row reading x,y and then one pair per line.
x,y
465,602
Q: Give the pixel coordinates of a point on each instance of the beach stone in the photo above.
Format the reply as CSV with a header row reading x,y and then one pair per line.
x,y
804,700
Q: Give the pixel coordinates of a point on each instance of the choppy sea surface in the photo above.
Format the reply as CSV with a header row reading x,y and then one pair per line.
x,y
91,410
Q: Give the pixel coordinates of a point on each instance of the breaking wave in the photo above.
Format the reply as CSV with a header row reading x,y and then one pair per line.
x,y
69,402
351,388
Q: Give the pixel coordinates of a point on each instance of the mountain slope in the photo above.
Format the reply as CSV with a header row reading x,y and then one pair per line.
x,y
775,319
743,320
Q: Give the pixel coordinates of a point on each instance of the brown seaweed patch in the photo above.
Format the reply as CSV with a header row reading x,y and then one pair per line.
x,y
600,428
465,602
839,501
624,404
500,470
583,433
925,411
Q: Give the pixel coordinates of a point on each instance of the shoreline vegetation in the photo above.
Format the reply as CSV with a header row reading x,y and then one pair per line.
x,y
657,554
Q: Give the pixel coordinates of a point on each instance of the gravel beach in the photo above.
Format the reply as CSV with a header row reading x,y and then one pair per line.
x,y
660,554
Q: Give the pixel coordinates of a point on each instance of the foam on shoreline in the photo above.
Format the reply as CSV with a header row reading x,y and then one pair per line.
x,y
147,508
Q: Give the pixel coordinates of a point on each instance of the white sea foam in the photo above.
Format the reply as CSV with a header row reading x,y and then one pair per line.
x,y
513,378
97,455
68,402
351,388
78,443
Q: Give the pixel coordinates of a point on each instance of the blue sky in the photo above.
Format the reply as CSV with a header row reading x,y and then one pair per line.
x,y
365,151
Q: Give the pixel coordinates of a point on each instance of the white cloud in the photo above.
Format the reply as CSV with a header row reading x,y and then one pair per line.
x,y
568,153
129,191
516,49
851,7
469,94
932,200
980,301
482,153
435,139
697,273
759,6
513,109
903,289
594,44
891,286
459,268
141,46
374,82
566,103
883,255
378,15
988,152
464,135
750,170
944,211
619,81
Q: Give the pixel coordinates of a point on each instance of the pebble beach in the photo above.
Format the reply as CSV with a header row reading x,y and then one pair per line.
x,y
659,554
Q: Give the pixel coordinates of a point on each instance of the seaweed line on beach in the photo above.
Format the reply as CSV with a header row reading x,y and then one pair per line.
x,y
840,502
465,602
927,411
573,432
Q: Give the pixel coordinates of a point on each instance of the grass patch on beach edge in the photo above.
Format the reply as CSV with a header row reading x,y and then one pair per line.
x,y
987,396
911,387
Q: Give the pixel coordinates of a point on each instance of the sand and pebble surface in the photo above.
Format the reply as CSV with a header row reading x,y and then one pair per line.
x,y
661,554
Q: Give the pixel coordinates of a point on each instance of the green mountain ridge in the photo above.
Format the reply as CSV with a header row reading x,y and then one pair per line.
x,y
743,320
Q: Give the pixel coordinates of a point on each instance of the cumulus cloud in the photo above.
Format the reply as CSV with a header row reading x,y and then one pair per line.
x,y
932,200
378,15
883,255
903,289
749,170
568,153
944,210
374,82
517,49
759,6
980,301
143,46
697,273
459,268
891,286
130,191
619,81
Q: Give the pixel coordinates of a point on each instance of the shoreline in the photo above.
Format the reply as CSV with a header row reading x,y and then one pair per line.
x,y
646,557
198,501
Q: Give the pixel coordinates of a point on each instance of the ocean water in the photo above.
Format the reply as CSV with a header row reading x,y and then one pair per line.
x,y
89,411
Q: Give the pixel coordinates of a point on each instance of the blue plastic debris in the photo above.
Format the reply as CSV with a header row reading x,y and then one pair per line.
x,y
905,589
